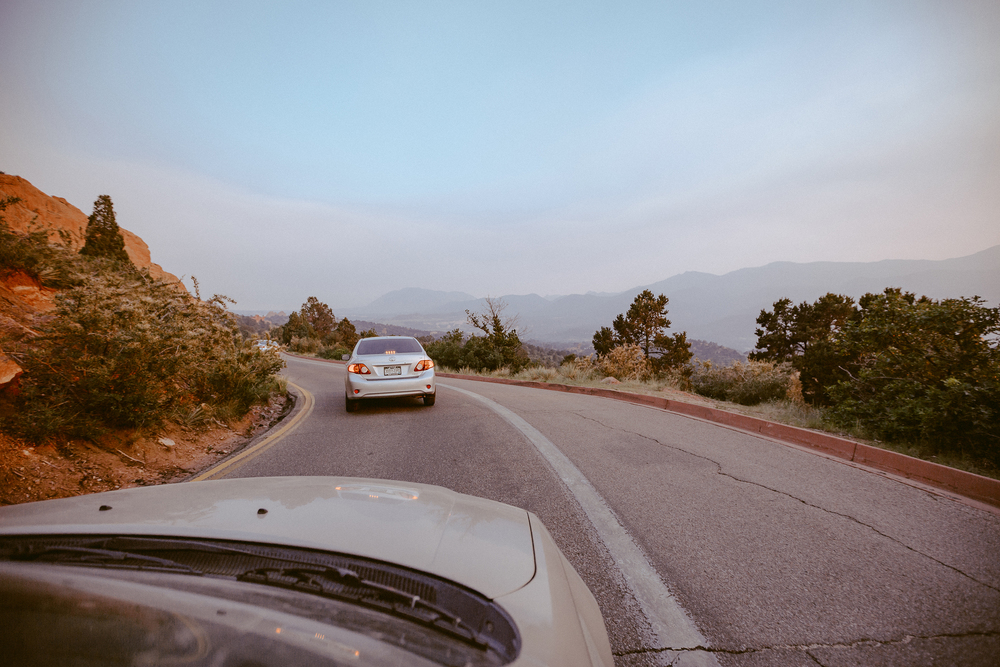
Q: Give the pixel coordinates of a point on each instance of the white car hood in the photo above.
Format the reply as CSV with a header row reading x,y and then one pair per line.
x,y
479,543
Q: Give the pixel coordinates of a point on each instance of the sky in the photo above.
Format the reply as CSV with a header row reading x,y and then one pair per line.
x,y
343,150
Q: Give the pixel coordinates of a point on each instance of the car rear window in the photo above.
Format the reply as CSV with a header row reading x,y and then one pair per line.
x,y
388,346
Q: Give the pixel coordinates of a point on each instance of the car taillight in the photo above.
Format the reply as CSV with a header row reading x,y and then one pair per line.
x,y
423,365
360,369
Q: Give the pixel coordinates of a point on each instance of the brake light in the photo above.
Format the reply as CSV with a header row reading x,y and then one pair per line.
x,y
360,369
423,365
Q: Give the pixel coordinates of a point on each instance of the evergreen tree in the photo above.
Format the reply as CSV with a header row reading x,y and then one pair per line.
x,y
645,324
500,347
604,341
346,334
319,316
805,335
296,327
104,238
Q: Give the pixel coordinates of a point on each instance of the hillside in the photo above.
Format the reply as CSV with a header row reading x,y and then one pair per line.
x,y
108,379
24,299
39,211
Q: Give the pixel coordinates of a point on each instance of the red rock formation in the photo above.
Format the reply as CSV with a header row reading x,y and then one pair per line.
x,y
9,372
38,211
22,301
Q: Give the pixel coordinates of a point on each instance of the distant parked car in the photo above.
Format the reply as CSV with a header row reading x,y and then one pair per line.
x,y
388,366
290,571
266,345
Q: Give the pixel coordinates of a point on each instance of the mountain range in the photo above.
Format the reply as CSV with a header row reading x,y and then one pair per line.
x,y
721,309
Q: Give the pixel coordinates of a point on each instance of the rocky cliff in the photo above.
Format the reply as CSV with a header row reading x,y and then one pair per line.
x,y
37,210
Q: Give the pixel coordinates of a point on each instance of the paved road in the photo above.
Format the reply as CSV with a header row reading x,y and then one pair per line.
x,y
778,556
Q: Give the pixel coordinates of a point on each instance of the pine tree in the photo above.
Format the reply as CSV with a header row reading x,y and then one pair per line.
x,y
319,316
645,325
104,238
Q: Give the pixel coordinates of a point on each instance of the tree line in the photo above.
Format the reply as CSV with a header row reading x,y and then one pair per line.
x,y
498,347
903,368
891,366
314,329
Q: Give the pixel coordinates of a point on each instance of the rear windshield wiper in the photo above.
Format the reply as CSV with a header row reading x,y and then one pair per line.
x,y
346,584
109,558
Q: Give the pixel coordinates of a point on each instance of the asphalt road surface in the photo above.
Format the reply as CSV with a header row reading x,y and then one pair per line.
x,y
703,545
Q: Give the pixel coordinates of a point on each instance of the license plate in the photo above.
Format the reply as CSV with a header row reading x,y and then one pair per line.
x,y
392,370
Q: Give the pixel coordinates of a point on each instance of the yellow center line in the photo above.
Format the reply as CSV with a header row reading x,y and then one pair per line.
x,y
265,444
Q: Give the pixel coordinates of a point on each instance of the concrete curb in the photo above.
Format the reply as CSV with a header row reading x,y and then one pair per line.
x,y
967,484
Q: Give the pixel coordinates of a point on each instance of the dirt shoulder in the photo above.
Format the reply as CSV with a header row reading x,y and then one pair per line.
x,y
29,473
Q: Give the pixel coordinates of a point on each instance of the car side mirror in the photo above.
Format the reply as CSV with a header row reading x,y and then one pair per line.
x,y
345,357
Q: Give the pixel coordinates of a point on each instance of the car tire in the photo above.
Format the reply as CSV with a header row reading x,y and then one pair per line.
x,y
429,399
351,405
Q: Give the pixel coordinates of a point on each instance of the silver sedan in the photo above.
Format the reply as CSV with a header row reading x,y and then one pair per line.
x,y
386,367
290,571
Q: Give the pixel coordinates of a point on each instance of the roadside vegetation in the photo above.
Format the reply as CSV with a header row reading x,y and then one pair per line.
x,y
120,350
314,330
917,373
499,346
914,375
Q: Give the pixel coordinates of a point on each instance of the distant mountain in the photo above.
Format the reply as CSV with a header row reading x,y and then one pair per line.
x,y
720,309
388,329
415,300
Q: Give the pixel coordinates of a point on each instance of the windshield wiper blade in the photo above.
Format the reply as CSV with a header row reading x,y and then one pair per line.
x,y
344,583
104,558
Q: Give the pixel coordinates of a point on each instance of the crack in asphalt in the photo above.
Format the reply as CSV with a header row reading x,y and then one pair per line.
x,y
721,472
838,646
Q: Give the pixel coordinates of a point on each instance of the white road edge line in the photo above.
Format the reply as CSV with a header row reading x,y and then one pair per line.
x,y
670,623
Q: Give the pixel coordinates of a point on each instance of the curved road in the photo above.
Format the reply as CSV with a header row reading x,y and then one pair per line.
x,y
703,545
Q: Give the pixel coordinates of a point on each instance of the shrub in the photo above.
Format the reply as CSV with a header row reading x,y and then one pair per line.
x,y
747,384
335,352
501,346
579,368
125,351
537,374
625,362
806,336
447,350
53,266
478,353
305,344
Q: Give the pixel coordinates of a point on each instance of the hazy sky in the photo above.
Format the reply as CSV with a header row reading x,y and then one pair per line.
x,y
343,150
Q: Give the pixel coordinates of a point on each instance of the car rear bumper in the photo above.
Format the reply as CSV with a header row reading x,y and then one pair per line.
x,y
358,386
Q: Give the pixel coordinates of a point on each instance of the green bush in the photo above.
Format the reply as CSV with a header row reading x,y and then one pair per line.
x,y
500,346
447,350
747,384
501,349
927,373
806,336
125,351
335,352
